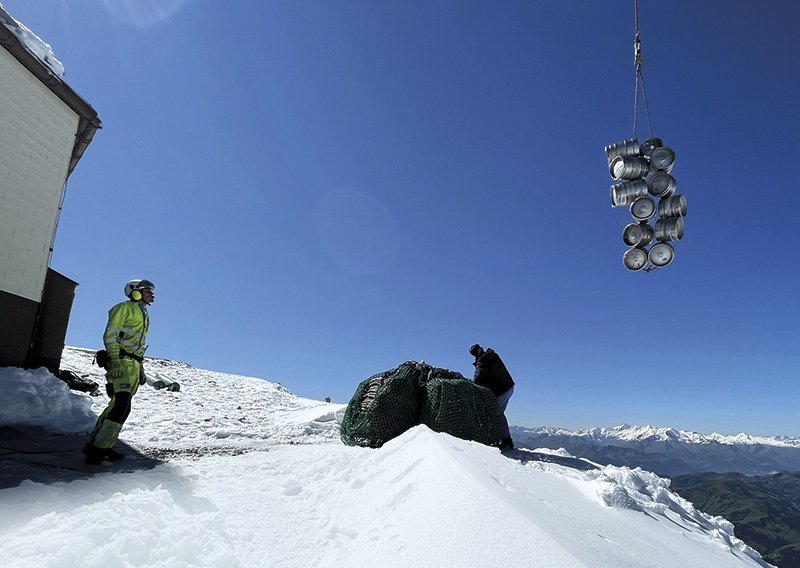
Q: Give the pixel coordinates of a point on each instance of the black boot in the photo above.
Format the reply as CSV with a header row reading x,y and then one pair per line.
x,y
506,444
112,454
94,455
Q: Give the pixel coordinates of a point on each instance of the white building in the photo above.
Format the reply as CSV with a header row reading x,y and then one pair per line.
x,y
45,127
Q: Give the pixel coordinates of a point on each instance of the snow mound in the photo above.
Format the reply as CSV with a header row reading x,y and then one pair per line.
x,y
37,398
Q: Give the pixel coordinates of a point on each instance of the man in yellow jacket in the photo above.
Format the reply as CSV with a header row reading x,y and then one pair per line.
x,y
124,339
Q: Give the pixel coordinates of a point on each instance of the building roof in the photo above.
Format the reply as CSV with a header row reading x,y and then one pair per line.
x,y
12,35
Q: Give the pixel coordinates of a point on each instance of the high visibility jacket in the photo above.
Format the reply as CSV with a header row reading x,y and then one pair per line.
x,y
126,330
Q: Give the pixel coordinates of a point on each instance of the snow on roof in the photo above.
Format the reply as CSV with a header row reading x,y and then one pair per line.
x,y
38,58
32,42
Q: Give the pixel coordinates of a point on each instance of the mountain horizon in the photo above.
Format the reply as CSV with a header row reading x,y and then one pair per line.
x,y
668,451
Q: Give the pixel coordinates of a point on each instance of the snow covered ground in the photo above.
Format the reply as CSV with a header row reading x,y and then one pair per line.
x,y
257,477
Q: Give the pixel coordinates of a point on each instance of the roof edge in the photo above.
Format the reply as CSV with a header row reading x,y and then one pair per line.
x,y
90,121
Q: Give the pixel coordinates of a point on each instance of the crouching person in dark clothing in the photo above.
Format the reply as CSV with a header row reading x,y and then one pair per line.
x,y
491,372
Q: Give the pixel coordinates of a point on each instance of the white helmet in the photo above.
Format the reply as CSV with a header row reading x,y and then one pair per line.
x,y
132,285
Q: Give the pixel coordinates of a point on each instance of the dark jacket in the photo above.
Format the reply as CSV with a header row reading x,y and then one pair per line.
x,y
491,372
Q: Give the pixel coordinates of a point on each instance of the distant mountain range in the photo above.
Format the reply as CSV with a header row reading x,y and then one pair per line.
x,y
667,451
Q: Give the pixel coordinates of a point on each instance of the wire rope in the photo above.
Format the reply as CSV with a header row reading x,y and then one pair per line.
x,y
638,85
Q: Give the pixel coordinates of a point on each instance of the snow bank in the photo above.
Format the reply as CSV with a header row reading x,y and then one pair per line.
x,y
37,398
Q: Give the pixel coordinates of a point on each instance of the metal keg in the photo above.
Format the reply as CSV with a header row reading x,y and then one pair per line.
x,y
647,147
629,147
662,158
669,229
629,167
625,193
638,234
634,258
661,184
661,255
674,206
643,208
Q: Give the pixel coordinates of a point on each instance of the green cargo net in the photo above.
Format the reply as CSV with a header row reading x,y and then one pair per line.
x,y
387,404
462,409
383,406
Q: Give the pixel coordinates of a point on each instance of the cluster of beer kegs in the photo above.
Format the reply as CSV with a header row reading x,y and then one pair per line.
x,y
642,172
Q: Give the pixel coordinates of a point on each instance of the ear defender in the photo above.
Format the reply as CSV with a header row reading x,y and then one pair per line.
x,y
136,295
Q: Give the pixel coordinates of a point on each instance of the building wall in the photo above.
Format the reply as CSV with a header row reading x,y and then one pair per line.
x,y
37,135
53,318
17,322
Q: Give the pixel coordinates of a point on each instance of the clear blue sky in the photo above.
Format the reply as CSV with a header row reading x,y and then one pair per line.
x,y
324,189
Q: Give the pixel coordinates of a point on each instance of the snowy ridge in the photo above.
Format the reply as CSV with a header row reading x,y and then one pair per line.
x,y
628,433
215,409
271,485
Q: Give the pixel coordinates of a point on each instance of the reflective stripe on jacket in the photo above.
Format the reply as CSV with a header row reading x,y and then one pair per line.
x,y
126,329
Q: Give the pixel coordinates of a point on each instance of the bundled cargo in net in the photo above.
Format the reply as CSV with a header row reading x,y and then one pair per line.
x,y
387,404
383,406
461,408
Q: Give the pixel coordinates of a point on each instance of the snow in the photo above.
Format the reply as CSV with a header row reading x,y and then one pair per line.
x,y
258,477
33,43
629,433
33,398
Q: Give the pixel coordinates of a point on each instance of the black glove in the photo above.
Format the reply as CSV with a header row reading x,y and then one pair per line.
x,y
142,379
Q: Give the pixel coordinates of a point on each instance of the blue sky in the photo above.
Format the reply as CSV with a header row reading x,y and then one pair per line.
x,y
322,190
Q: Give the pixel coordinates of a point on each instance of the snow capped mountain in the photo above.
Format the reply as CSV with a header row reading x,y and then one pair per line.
x,y
628,433
668,451
251,475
